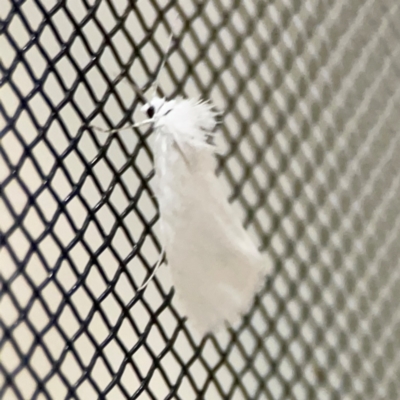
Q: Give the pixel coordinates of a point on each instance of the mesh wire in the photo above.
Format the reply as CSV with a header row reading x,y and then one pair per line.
x,y
310,92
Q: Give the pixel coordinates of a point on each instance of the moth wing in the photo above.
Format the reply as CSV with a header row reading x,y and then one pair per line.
x,y
216,268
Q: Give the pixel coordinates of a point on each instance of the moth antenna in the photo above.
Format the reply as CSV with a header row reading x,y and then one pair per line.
x,y
156,83
116,130
139,92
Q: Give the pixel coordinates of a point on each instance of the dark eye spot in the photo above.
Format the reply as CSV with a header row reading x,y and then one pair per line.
x,y
150,112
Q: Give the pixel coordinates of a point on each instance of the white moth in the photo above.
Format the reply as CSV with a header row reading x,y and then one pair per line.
x,y
216,269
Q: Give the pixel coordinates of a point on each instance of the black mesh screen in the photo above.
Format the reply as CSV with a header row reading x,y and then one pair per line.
x,y
310,93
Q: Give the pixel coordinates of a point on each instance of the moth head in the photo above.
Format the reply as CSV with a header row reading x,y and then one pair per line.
x,y
157,107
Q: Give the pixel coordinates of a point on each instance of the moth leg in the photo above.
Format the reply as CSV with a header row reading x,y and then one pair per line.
x,y
160,259
180,149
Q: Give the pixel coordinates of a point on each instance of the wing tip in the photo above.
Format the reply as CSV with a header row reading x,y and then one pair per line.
x,y
237,311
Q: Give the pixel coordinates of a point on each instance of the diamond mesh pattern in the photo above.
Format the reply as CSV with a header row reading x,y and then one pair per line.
x,y
310,93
